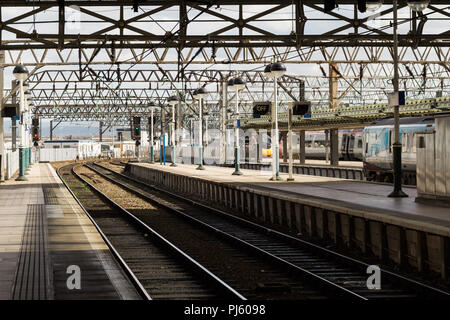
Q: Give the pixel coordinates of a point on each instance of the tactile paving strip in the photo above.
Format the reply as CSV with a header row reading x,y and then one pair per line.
x,y
50,196
32,279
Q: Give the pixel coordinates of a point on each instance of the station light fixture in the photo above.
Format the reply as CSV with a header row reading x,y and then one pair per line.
x,y
201,93
238,83
195,94
277,69
267,71
418,6
373,5
152,105
173,100
20,72
230,83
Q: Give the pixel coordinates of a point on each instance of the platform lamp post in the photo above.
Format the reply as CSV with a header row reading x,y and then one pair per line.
x,y
397,146
20,72
200,94
191,119
152,107
173,101
275,70
27,95
206,117
237,84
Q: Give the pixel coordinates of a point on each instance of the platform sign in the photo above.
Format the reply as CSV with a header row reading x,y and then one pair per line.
x,y
401,98
237,123
396,98
15,118
261,108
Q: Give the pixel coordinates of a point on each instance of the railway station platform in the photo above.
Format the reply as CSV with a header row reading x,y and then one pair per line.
x,y
49,249
345,169
350,213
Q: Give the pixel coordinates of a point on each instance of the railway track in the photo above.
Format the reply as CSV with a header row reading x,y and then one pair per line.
x,y
248,273
157,268
335,274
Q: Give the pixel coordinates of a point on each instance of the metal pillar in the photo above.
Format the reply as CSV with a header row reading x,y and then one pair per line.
x,y
291,156
223,121
51,130
237,160
275,141
2,128
334,147
172,136
100,132
302,151
200,135
396,146
22,151
334,139
152,151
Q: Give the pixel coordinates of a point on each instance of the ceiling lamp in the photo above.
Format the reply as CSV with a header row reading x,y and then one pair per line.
x,y
277,69
267,71
373,5
20,72
173,100
201,93
230,83
418,6
239,83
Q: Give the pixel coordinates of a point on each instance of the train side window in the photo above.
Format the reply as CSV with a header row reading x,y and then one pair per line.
x,y
390,141
404,141
360,143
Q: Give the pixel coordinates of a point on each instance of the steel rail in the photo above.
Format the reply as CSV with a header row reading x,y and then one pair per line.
x,y
314,277
223,287
394,277
131,276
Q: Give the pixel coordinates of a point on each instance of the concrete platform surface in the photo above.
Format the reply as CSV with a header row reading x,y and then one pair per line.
x,y
358,198
45,236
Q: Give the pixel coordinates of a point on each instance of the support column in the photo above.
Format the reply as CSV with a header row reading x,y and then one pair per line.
x,y
285,153
302,148
100,132
223,121
334,133
334,147
51,130
2,128
13,122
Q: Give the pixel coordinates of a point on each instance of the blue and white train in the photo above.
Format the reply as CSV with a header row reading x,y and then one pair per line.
x,y
377,147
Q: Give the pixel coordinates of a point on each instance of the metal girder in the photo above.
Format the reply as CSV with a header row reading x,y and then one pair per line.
x,y
231,27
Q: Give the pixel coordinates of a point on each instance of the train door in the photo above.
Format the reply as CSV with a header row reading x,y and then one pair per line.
x,y
350,147
344,145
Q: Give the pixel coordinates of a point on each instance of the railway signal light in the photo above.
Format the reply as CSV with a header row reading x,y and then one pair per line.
x,y
136,130
35,130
